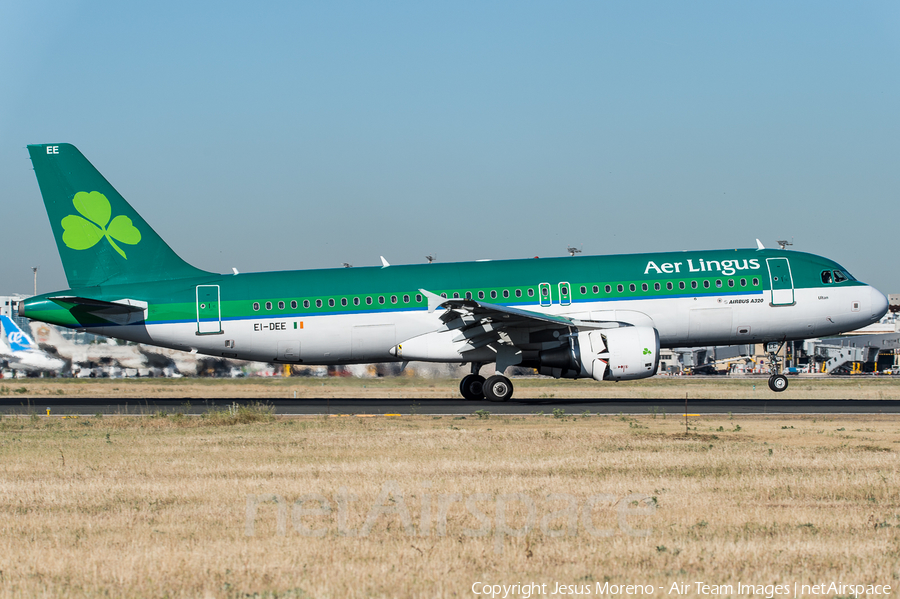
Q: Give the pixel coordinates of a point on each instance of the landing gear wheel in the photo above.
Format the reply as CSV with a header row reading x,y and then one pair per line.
x,y
472,387
778,383
498,388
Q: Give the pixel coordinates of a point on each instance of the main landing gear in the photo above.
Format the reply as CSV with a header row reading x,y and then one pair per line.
x,y
777,382
496,388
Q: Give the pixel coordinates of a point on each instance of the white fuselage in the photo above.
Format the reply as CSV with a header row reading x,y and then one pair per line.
x,y
369,337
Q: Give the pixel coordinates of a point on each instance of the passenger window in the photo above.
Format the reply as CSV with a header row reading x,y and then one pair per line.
x,y
644,287
531,293
281,305
596,289
268,305
255,306
743,282
368,301
718,283
632,287
318,303
394,299
706,284
405,299
608,289
418,298
293,304
681,284
355,301
656,287
669,285
468,295
481,295
493,294
506,293
620,288
755,282
693,284
381,299
826,277
839,277
443,295
331,303
456,295
731,282
545,291
518,293
583,290
564,291
344,302
306,303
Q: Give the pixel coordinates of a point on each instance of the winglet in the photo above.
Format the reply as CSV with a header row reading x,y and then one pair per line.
x,y
434,300
384,263
759,245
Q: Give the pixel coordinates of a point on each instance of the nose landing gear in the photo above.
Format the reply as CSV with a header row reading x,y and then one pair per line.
x,y
777,382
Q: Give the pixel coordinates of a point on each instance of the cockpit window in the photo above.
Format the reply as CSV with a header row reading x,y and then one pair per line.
x,y
826,277
839,276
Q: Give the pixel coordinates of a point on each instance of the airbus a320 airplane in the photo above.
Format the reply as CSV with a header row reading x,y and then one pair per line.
x,y
603,317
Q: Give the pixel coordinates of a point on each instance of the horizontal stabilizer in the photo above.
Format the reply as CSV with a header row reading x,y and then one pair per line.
x,y
123,311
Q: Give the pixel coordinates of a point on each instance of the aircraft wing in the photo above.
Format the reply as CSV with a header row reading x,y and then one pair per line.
x,y
482,323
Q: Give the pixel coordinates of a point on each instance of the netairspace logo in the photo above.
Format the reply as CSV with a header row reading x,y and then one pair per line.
x,y
500,516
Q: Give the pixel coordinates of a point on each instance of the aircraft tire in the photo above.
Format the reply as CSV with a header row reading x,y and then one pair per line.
x,y
778,383
498,388
472,387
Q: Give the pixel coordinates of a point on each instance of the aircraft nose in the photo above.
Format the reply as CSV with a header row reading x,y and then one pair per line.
x,y
879,304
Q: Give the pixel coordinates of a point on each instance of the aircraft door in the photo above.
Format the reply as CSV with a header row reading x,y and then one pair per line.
x,y
209,313
544,292
781,281
565,292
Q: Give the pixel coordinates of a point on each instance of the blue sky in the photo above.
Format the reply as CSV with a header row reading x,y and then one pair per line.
x,y
304,135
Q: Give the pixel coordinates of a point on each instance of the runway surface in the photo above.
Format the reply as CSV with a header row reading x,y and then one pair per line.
x,y
81,406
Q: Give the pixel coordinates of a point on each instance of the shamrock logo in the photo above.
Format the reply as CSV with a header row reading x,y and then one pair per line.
x,y
83,233
647,352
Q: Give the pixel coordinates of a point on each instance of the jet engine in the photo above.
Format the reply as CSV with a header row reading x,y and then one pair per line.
x,y
621,354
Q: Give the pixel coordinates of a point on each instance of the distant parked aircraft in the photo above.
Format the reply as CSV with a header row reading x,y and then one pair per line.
x,y
83,354
21,353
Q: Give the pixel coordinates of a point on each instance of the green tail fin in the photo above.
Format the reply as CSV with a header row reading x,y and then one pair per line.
x,y
100,237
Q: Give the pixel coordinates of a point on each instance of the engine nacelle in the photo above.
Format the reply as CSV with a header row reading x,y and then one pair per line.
x,y
621,354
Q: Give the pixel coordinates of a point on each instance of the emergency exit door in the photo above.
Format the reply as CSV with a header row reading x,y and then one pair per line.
x,y
209,312
781,282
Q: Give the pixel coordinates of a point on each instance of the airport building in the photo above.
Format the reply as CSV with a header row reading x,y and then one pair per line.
x,y
8,307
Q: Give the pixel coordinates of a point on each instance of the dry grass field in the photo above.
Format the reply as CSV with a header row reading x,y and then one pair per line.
x,y
422,506
861,387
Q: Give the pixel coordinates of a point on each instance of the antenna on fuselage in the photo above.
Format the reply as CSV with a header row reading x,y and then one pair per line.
x,y
431,258
573,250
784,242
346,265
